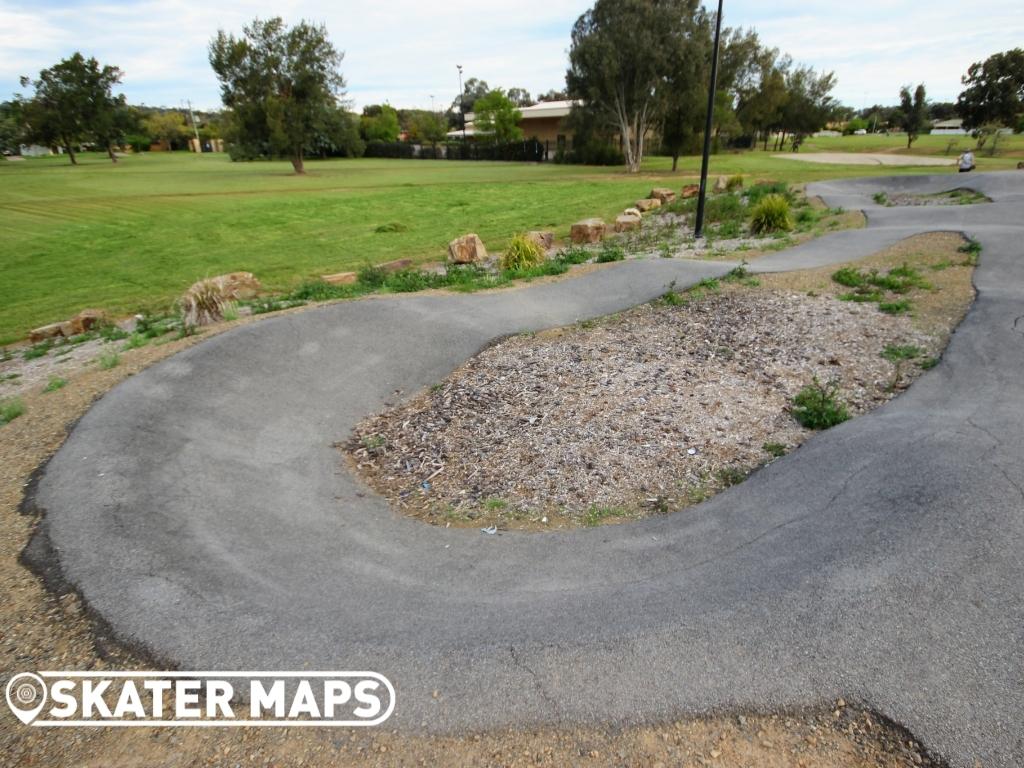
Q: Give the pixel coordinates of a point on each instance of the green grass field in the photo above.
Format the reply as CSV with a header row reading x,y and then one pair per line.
x,y
136,235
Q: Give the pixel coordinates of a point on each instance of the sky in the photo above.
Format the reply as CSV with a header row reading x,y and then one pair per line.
x,y
405,52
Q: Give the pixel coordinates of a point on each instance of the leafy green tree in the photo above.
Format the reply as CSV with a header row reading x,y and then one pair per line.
x,y
279,83
497,117
619,61
760,103
913,112
10,127
520,97
73,102
166,127
553,95
428,128
379,123
683,106
994,91
809,104
338,135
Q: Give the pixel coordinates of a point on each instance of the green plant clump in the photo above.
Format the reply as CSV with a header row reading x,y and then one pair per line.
x,y
610,252
522,253
109,360
896,352
55,383
10,410
817,406
771,214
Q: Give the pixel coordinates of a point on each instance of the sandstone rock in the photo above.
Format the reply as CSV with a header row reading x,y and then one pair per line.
x,y
648,205
721,185
87,320
690,190
544,239
45,332
633,212
468,249
587,231
663,195
626,223
397,265
340,278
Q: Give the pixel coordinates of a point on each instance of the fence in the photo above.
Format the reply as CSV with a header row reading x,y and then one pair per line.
x,y
530,151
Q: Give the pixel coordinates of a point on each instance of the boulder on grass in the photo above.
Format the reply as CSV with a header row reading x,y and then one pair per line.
x,y
648,205
396,266
626,223
587,231
633,212
545,240
340,278
690,190
663,195
87,320
44,332
468,249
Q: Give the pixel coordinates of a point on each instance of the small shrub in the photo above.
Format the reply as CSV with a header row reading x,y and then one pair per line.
x,y
409,281
575,255
734,182
671,297
55,383
928,363
709,284
109,360
894,353
730,476
38,350
372,276
759,191
610,252
111,332
771,214
231,312
899,307
521,254
973,249
10,410
724,209
817,406
776,450
881,198
392,226
135,341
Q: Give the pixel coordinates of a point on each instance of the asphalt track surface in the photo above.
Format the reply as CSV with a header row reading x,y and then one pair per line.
x,y
202,511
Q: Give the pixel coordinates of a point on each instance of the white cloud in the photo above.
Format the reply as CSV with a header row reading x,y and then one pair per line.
x,y
404,51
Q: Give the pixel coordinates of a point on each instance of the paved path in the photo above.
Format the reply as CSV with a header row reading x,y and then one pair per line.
x,y
202,511
864,158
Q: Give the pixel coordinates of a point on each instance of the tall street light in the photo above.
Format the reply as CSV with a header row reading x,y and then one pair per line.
x,y
699,228
462,103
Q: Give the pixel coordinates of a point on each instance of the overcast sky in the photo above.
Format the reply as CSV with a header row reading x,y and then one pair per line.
x,y
405,51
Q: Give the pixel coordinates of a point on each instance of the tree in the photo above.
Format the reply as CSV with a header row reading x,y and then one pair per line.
x,y
472,90
913,112
682,112
618,64
166,127
10,127
73,102
553,95
497,117
520,97
379,123
809,104
338,135
429,128
761,102
994,90
279,83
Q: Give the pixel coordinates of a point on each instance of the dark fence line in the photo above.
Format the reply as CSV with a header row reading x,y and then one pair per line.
x,y
529,151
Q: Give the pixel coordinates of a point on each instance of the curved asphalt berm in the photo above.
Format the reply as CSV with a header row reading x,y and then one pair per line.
x,y
202,511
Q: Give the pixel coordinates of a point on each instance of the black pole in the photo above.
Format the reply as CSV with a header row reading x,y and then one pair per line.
x,y
462,106
698,229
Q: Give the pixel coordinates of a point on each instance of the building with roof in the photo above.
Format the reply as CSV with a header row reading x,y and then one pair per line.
x,y
544,121
949,127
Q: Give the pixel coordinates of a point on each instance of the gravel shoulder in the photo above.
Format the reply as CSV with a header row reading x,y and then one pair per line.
x,y
651,410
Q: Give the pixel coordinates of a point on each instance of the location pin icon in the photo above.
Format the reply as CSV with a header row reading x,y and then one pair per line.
x,y
26,696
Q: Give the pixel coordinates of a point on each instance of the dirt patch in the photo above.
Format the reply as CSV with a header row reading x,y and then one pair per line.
x,y
653,409
953,197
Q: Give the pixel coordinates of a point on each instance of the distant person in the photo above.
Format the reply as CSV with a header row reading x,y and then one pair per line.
x,y
966,162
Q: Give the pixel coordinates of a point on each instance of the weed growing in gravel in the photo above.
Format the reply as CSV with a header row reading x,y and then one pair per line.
x,y
108,360
709,284
610,252
574,255
776,450
671,297
137,340
112,333
596,515
928,363
230,312
973,249
898,307
55,383
730,476
895,353
817,406
10,410
495,505
38,350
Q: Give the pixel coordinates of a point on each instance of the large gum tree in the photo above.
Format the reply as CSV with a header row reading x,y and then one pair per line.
x,y
280,84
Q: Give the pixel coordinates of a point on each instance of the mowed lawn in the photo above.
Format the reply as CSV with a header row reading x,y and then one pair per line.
x,y
134,236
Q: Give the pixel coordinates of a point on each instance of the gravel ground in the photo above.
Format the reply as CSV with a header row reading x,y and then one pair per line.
x,y
644,412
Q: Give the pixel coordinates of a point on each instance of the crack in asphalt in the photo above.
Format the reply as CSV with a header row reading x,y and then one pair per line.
x,y
520,663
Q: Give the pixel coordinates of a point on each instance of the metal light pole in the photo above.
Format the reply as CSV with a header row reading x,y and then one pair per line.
x,y
698,230
462,103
